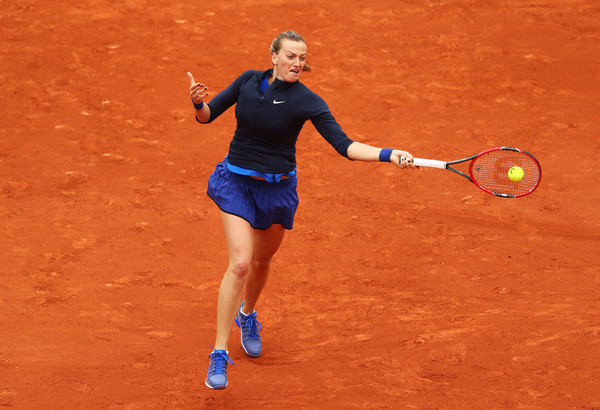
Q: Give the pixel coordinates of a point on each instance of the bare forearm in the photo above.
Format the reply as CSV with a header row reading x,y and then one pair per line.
x,y
358,151
203,114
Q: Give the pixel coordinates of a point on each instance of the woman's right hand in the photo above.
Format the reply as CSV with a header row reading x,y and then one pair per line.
x,y
197,90
403,159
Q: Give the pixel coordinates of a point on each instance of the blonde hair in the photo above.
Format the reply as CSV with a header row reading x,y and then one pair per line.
x,y
288,35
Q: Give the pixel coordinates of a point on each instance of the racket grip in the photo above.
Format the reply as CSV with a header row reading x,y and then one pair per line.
x,y
430,163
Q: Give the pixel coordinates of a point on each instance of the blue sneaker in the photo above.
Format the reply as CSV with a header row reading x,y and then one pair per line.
x,y
249,328
216,378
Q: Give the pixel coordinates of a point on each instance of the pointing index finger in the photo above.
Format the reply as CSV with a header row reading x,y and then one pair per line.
x,y
191,77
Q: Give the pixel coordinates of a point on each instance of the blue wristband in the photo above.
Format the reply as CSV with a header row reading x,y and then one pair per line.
x,y
198,106
385,154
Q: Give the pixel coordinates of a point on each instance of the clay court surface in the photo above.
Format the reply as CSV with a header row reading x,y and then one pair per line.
x,y
396,289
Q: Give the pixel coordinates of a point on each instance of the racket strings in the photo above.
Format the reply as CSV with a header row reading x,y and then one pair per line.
x,y
490,171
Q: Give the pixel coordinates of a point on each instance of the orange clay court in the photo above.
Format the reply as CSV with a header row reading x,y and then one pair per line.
x,y
112,253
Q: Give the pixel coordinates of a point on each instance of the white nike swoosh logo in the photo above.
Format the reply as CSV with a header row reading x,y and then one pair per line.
x,y
277,102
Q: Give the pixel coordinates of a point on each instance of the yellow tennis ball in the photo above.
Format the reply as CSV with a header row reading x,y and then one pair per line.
x,y
516,174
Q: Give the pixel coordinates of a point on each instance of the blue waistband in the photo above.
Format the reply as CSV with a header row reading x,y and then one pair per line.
x,y
266,176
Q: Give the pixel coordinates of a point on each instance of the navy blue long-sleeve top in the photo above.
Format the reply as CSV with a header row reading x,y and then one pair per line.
x,y
268,124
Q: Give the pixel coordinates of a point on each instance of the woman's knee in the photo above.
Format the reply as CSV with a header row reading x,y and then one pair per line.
x,y
261,264
240,266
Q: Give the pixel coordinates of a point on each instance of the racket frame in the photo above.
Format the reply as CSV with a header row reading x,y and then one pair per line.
x,y
431,163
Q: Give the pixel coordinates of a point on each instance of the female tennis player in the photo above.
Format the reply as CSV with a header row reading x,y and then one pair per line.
x,y
255,185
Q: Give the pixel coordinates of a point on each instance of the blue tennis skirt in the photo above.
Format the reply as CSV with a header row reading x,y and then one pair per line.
x,y
260,203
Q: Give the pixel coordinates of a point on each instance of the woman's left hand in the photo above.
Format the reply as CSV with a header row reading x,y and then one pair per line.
x,y
402,158
197,90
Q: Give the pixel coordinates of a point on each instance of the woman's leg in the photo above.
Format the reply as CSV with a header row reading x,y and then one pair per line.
x,y
250,254
265,244
238,234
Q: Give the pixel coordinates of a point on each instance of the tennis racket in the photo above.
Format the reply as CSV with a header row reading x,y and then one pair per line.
x,y
489,170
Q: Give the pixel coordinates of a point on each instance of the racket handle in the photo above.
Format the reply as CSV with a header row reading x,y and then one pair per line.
x,y
430,163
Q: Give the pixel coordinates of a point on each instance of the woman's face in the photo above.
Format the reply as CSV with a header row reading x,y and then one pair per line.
x,y
289,62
